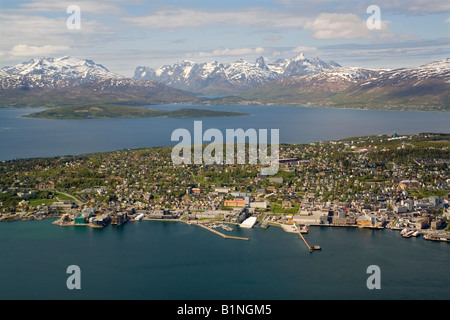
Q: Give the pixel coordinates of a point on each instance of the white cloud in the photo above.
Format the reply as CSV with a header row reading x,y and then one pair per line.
x,y
42,34
341,26
273,37
180,18
23,50
447,20
418,6
231,52
303,49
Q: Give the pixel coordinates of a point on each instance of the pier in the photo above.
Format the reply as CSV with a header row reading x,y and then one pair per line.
x,y
221,234
307,245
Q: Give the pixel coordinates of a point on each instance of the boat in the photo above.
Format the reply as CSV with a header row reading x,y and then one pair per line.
x,y
248,223
416,233
226,228
408,234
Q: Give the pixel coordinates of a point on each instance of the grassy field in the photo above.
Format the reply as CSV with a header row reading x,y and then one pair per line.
x,y
38,202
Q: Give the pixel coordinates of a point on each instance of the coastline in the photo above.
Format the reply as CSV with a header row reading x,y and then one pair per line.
x,y
390,203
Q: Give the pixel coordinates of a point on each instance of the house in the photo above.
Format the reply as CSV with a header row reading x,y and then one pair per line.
x,y
45,186
276,180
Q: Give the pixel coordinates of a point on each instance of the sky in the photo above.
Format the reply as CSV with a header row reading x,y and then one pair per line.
x,y
122,35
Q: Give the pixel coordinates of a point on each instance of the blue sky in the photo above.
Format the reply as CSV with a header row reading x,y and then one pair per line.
x,y
124,34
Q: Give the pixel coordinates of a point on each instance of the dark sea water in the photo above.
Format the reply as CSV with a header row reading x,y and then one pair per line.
x,y
172,260
26,137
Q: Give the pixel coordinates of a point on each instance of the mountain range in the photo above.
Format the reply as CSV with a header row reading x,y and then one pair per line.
x,y
422,88
51,82
214,78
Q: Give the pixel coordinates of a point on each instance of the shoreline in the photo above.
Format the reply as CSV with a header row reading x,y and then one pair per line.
x,y
431,235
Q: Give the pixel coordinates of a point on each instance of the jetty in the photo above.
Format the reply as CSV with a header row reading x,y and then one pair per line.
x,y
219,233
307,245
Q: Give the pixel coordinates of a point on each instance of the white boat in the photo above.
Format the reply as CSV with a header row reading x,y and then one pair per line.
x,y
139,217
248,223
408,234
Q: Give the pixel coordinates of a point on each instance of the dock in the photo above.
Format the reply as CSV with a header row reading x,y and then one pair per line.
x,y
307,245
220,234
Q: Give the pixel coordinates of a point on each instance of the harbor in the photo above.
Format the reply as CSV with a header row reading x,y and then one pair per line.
x,y
219,233
161,248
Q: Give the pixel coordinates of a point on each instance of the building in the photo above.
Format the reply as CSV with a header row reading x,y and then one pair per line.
x,y
307,220
400,209
79,220
422,224
222,190
100,221
236,215
276,180
259,204
343,221
408,184
286,204
161,214
45,186
242,215
437,223
236,202
63,205
369,221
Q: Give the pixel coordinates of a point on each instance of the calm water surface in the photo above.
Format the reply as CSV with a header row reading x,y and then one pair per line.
x,y
171,260
24,137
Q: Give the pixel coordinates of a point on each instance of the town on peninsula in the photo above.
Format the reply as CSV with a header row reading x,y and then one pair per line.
x,y
400,182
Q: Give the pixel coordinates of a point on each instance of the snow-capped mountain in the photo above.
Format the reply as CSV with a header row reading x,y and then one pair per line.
x,y
53,73
61,81
412,76
313,87
214,77
427,86
49,82
342,76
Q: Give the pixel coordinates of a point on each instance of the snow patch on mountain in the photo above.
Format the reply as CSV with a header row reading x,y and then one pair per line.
x,y
53,72
238,75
